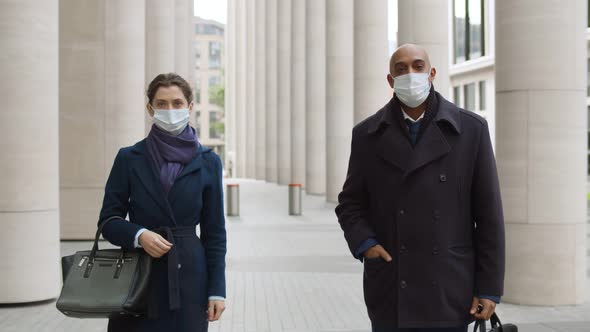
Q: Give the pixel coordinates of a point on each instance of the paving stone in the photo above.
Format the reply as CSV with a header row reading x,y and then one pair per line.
x,y
287,274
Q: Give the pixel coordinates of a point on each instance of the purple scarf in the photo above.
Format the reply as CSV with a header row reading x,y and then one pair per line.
x,y
171,153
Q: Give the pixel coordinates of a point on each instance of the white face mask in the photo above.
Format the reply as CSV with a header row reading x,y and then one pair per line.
x,y
173,121
412,89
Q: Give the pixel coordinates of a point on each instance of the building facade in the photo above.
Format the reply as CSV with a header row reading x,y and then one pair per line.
x,y
209,86
522,65
77,72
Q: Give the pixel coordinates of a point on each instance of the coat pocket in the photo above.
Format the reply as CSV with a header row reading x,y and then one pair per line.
x,y
377,282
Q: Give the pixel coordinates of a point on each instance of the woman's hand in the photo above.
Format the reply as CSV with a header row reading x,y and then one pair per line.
x,y
216,308
154,244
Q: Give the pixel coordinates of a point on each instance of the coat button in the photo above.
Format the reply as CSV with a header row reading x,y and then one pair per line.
x,y
443,178
403,248
435,250
179,266
403,284
402,212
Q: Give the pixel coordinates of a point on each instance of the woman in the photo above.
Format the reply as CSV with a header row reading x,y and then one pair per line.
x,y
168,183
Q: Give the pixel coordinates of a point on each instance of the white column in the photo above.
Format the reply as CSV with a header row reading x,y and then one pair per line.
x,y
192,61
101,104
298,92
426,23
160,42
541,121
371,58
240,106
272,90
340,92
230,89
315,145
182,33
260,106
29,195
251,83
284,108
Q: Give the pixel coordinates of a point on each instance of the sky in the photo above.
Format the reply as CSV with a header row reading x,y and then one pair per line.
x,y
217,10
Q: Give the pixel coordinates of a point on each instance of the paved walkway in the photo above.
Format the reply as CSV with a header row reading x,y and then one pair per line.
x,y
289,274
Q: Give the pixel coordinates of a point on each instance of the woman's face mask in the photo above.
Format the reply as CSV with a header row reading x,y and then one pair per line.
x,y
172,121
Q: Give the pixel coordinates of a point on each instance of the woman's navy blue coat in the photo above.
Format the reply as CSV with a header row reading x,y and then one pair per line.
x,y
194,268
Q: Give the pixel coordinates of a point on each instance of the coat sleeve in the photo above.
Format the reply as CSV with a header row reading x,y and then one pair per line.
x,y
116,203
353,200
489,241
213,234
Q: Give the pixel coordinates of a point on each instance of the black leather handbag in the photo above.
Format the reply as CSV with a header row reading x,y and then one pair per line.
x,y
105,283
496,325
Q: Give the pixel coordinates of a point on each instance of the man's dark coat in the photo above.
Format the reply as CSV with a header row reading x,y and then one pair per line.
x,y
434,207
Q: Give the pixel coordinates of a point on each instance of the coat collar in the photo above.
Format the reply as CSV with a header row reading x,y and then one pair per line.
x,y
447,112
149,176
394,147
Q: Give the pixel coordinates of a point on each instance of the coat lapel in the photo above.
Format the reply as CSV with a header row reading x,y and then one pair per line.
x,y
394,147
431,146
148,176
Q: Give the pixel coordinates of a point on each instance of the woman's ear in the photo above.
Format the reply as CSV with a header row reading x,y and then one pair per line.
x,y
150,109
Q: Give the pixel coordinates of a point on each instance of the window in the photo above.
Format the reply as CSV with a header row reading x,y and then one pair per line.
x,y
208,29
197,52
214,55
214,82
482,95
468,30
198,123
457,95
469,95
216,125
197,89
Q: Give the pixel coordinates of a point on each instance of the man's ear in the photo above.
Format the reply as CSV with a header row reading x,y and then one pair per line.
x,y
432,74
150,109
390,80
190,107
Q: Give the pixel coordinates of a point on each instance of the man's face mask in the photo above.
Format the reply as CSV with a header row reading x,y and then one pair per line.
x,y
412,89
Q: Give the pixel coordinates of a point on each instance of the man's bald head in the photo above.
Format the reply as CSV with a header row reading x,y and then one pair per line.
x,y
409,58
406,55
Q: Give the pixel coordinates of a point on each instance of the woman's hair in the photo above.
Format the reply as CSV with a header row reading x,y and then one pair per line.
x,y
167,80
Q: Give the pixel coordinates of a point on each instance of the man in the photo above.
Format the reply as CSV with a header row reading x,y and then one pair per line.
x,y
421,206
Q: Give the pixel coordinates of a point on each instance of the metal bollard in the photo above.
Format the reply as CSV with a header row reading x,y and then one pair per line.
x,y
233,200
295,199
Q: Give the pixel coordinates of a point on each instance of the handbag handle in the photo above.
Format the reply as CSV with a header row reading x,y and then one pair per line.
x,y
495,320
481,324
98,232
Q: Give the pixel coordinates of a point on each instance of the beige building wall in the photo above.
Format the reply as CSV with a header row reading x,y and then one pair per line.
x,y
160,42
101,101
541,151
29,195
